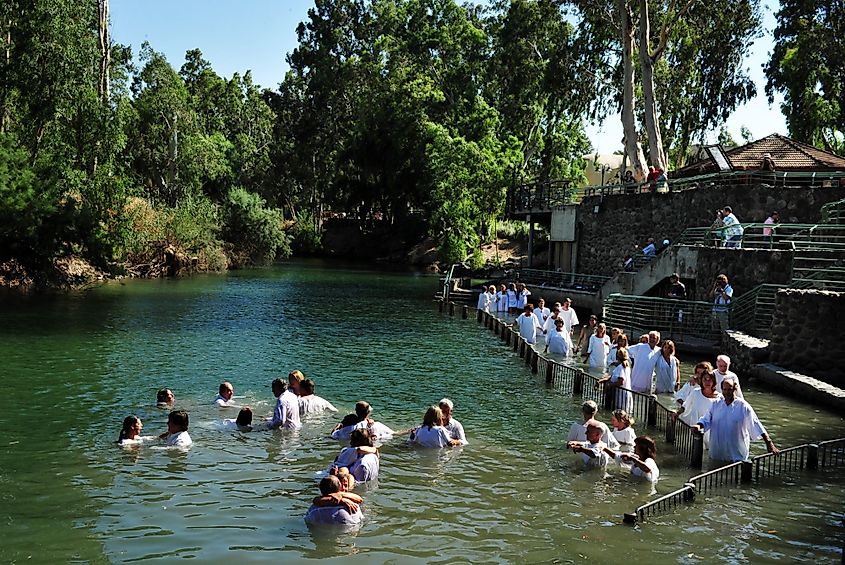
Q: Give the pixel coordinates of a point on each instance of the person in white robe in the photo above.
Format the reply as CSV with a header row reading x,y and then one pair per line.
x,y
309,403
432,433
334,506
483,300
592,449
620,381
723,369
542,314
527,324
556,342
570,320
644,357
732,424
578,431
502,301
454,427
597,348
694,381
667,371
644,459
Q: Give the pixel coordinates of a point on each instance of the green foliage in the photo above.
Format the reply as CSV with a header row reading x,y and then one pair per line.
x,y
512,230
476,260
807,66
255,231
305,235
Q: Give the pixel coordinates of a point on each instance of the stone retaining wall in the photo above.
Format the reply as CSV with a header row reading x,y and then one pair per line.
x,y
624,221
745,269
807,334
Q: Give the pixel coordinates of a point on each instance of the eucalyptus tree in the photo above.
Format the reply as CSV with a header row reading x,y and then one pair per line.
x,y
715,35
536,81
807,66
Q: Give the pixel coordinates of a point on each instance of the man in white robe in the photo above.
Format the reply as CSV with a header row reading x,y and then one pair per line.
x,y
644,357
570,319
732,424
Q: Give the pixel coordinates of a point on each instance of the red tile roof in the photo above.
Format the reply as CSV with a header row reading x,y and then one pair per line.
x,y
787,154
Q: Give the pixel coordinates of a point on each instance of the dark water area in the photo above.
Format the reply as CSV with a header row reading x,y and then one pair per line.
x,y
76,365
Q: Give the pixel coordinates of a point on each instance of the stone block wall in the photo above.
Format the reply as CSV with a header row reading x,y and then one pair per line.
x,y
745,268
807,334
624,221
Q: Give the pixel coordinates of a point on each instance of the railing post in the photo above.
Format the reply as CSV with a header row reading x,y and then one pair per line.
x,y
452,309
689,494
465,312
697,459
670,430
550,371
535,360
578,383
746,470
630,518
440,305
607,396
813,457
652,411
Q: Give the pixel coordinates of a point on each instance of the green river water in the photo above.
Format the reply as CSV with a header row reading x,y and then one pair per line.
x,y
73,366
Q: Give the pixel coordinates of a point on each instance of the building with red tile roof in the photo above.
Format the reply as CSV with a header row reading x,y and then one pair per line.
x,y
785,154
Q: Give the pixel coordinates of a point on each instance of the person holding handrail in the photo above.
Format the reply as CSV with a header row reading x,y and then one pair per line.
x,y
732,424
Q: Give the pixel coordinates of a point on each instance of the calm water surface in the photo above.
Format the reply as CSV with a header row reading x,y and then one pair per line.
x,y
74,366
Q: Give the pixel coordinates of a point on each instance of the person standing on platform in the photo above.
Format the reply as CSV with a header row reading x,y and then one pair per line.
x,y
732,228
769,232
722,294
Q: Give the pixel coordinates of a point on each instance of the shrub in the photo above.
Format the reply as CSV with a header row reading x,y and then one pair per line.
x,y
255,232
307,238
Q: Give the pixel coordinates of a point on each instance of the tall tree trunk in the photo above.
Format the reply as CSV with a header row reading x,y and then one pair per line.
x,y
4,94
105,49
632,147
655,139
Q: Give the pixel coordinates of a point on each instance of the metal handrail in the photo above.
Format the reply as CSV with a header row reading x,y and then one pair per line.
x,y
548,194
562,280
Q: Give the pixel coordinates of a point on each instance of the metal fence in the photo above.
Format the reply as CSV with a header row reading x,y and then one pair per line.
x,y
577,382
556,279
680,320
543,195
688,442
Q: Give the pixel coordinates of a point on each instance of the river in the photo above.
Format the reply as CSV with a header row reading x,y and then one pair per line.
x,y
75,365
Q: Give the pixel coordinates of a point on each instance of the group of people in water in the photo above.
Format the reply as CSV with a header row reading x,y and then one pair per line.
x,y
711,400
295,399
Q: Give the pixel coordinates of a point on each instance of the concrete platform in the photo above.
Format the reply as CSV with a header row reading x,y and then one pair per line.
x,y
800,386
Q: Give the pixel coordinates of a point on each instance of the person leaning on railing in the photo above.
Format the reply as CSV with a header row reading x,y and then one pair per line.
x,y
732,424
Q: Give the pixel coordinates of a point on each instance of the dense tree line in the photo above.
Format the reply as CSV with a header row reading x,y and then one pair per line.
x,y
390,109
